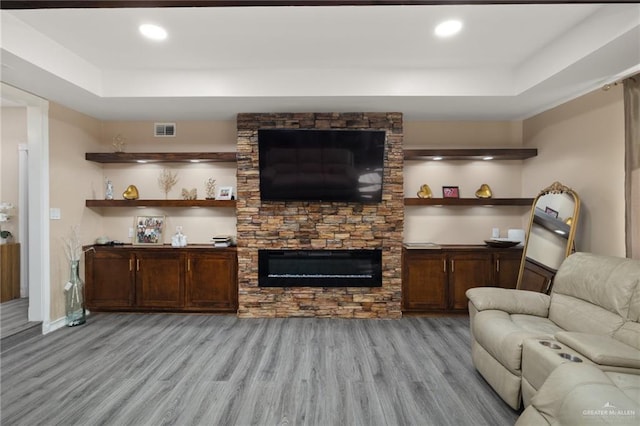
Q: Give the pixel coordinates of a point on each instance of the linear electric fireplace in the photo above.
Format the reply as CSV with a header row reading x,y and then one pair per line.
x,y
320,268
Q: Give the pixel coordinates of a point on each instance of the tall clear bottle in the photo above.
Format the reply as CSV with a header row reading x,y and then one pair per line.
x,y
74,297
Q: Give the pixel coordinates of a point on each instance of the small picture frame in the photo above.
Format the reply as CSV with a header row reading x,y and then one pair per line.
x,y
450,192
225,193
551,212
148,230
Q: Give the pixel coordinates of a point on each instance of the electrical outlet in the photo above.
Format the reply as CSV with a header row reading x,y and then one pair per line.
x,y
130,232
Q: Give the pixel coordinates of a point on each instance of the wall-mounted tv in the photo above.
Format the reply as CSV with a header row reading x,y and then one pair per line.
x,y
321,165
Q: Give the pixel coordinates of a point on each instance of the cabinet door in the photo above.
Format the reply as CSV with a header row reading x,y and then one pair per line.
x,y
109,279
536,277
424,281
468,270
160,279
507,268
212,281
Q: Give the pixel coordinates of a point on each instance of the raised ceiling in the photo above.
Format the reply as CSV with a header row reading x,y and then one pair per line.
x,y
510,61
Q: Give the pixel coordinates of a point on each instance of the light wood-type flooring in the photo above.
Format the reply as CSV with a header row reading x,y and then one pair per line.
x,y
168,369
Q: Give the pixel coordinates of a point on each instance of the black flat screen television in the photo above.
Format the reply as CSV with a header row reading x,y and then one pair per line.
x,y
321,165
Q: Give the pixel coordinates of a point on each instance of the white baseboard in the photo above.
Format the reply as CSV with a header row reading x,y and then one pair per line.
x,y
49,326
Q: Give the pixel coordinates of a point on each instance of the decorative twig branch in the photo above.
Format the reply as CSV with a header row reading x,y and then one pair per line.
x,y
167,180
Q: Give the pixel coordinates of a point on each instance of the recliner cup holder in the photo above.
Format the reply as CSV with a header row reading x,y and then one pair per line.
x,y
549,344
570,357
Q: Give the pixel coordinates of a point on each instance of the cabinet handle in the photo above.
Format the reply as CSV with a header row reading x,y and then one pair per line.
x,y
130,265
188,265
453,267
444,265
137,264
498,265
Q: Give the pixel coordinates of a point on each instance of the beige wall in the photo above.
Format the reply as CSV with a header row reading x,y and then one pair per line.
x,y
14,132
581,144
462,225
72,180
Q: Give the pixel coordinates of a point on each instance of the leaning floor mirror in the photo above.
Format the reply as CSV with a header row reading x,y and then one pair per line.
x,y
550,237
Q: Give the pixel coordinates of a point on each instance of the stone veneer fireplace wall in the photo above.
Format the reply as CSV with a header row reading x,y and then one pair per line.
x,y
319,225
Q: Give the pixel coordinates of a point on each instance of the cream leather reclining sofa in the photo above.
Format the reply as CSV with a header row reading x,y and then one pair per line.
x,y
591,317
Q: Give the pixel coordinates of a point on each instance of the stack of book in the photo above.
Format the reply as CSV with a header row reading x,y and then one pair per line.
x,y
221,241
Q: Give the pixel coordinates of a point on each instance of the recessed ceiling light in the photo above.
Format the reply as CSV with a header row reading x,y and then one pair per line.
x,y
437,158
141,161
487,158
448,28
154,32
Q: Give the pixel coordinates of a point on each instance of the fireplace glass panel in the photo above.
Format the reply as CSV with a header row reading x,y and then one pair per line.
x,y
320,268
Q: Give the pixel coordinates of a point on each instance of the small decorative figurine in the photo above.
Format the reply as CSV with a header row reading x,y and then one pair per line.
x,y
108,191
131,193
189,194
484,191
118,142
211,188
179,239
425,192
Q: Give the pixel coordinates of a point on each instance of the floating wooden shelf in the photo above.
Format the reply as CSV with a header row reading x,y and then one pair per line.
x,y
160,157
468,202
470,154
560,228
160,203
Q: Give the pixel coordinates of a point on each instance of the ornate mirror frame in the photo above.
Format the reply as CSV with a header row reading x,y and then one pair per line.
x,y
548,233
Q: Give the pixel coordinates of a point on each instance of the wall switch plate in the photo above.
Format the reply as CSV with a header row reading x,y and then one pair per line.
x,y
130,232
54,213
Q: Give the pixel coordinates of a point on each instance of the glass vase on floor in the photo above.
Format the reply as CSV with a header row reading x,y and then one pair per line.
x,y
74,297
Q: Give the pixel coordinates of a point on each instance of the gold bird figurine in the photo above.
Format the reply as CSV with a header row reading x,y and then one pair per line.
x,y
425,192
131,193
484,191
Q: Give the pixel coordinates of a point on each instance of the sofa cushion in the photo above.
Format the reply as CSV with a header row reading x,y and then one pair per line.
x,y
604,281
500,336
629,334
602,350
574,314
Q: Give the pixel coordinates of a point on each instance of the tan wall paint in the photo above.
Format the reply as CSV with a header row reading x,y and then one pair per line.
x,y
72,180
14,132
581,144
462,225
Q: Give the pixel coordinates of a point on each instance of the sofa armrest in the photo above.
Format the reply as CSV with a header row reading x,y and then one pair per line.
x,y
510,301
602,350
579,394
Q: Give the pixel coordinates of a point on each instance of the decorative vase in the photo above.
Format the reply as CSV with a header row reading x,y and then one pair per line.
x,y
74,297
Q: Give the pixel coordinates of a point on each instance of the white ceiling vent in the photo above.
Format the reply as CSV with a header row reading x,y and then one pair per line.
x,y
164,130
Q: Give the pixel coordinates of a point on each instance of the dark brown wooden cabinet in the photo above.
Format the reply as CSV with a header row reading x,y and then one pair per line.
x,y
468,270
109,279
435,280
537,277
191,279
209,276
507,264
160,279
423,281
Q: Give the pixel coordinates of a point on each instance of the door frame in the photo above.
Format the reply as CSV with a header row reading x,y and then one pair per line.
x,y
36,218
